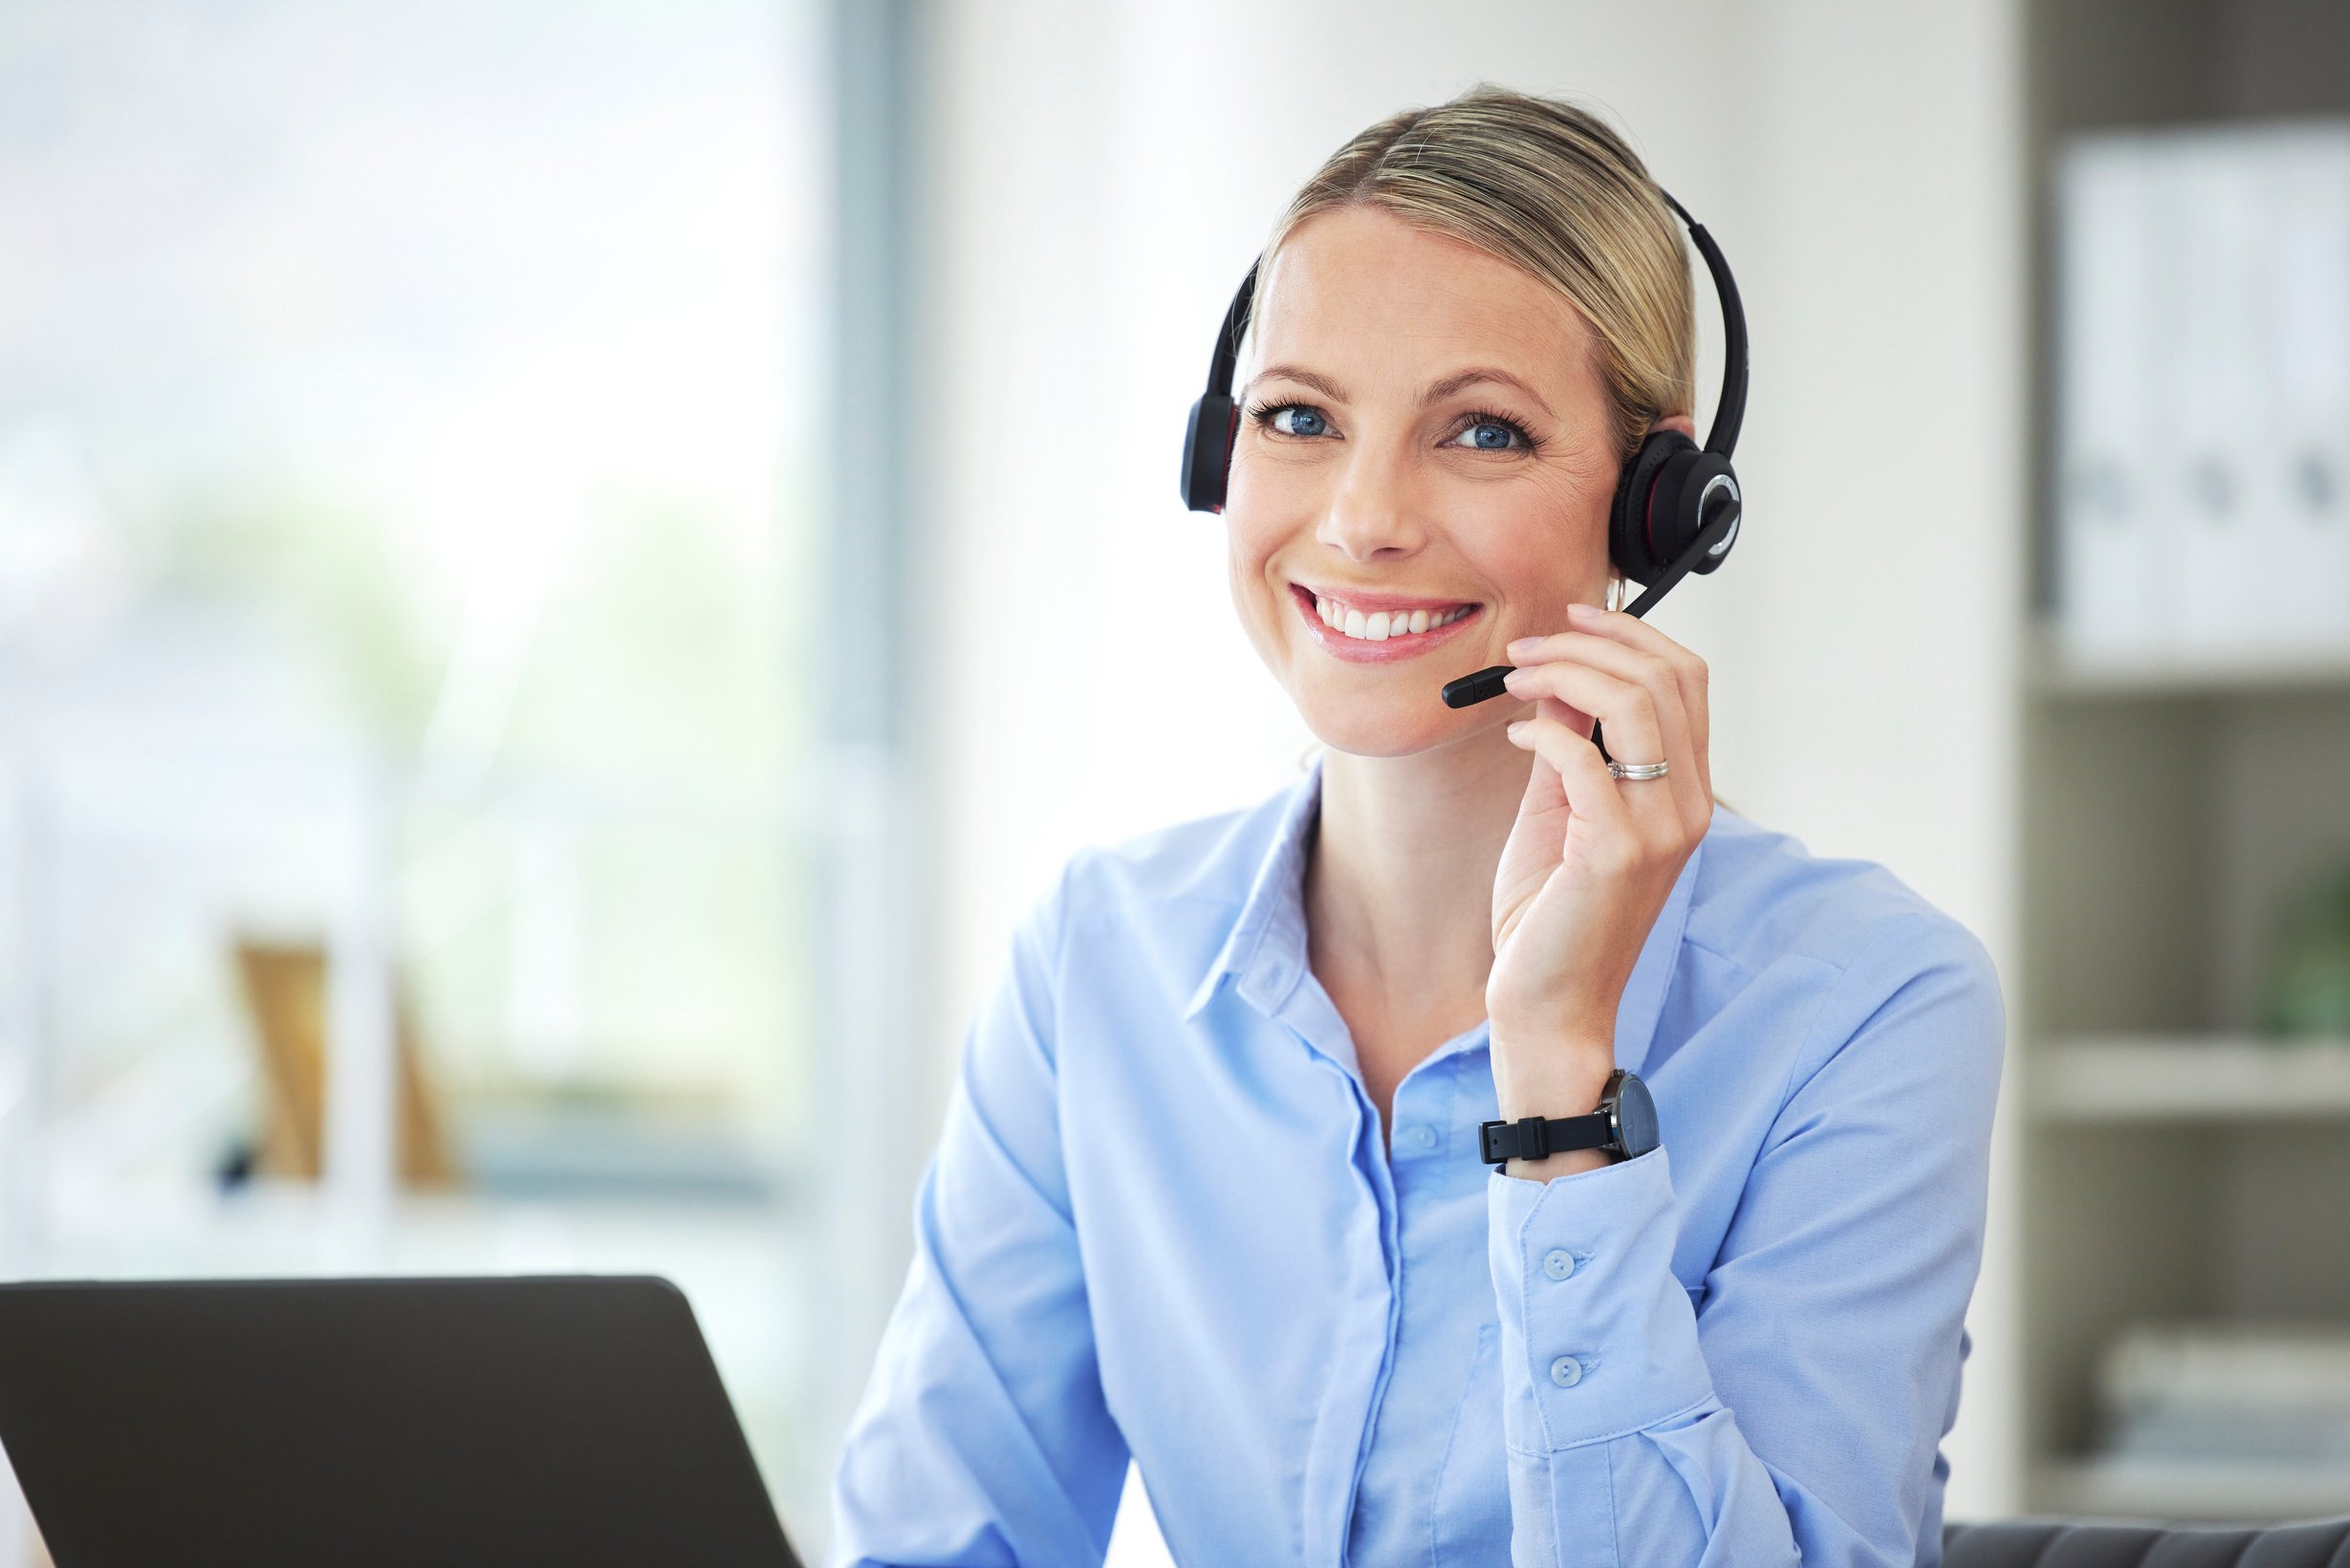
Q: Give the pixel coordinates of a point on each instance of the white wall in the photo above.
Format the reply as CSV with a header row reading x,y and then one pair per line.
x,y
1105,173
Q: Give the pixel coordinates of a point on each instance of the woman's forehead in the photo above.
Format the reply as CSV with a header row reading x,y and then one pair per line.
x,y
1379,306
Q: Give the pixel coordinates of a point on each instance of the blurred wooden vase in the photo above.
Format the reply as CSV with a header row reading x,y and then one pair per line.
x,y
285,991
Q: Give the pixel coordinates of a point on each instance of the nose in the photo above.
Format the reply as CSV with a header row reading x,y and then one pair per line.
x,y
1376,509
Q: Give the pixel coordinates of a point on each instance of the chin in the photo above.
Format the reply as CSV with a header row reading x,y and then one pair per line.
x,y
1399,724
1389,708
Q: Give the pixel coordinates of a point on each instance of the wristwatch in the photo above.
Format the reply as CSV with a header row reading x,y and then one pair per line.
x,y
1623,1126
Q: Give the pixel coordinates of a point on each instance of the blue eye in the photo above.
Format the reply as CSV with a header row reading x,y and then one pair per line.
x,y
1496,433
1488,433
1312,423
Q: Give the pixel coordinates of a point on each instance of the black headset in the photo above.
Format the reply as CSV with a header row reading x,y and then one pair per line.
x,y
1677,504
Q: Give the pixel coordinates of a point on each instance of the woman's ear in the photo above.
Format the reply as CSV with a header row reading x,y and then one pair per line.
x,y
1682,423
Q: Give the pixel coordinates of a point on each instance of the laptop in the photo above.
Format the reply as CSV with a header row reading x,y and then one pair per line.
x,y
517,1422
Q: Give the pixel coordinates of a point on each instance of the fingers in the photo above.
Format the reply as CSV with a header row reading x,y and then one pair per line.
x,y
1597,629
1690,671
1642,725
1626,630
1592,791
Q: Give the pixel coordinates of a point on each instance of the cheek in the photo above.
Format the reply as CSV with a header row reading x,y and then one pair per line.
x,y
1257,523
1274,493
1247,553
1245,512
1538,547
1256,604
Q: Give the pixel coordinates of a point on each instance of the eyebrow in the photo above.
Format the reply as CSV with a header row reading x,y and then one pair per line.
x,y
1444,388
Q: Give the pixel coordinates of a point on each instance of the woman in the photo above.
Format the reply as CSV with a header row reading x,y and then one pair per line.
x,y
1210,1192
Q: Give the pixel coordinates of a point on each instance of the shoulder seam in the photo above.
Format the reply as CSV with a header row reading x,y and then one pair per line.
x,y
1060,917
1055,936
1900,918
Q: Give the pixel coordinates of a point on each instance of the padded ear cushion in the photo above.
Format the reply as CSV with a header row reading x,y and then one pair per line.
x,y
1677,505
1629,543
1208,439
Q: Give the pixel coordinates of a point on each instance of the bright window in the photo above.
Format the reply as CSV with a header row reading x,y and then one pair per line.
x,y
406,511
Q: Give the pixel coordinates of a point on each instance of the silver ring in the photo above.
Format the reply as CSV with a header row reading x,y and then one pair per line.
x,y
1639,770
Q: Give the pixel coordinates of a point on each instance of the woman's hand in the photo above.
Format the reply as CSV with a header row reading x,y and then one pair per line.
x,y
1592,859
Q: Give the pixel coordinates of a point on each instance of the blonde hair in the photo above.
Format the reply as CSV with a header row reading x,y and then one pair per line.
x,y
1548,185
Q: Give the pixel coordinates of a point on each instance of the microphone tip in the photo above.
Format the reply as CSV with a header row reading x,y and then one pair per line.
x,y
1471,690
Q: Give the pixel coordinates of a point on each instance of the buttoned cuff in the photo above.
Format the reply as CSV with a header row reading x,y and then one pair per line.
x,y
1597,1337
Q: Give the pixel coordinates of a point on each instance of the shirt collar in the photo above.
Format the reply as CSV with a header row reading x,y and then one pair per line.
x,y
1275,900
1267,944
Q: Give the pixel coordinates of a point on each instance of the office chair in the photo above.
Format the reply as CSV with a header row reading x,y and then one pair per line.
x,y
2061,1543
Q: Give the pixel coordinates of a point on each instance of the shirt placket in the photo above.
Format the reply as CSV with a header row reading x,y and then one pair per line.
x,y
1416,1180
1424,1113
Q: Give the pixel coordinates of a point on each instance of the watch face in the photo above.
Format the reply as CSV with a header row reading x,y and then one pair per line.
x,y
1635,1115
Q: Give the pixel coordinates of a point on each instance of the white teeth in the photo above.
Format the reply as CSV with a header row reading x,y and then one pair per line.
x,y
1381,625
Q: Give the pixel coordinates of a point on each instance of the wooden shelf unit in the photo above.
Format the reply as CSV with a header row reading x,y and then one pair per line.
x,y
2175,1167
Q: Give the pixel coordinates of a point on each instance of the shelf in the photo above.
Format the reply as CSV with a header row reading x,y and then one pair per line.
x,y
2054,671
2189,1078
2193,1490
2169,803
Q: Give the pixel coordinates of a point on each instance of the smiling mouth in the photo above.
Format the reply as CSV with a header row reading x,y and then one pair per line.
x,y
1440,625
1359,625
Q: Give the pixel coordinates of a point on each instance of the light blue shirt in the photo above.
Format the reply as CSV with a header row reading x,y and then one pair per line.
x,y
1161,1223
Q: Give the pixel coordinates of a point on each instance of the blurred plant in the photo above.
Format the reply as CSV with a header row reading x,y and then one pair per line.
x,y
665,646
662,641
324,572
2307,991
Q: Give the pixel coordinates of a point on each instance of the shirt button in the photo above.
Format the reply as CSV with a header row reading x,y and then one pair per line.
x,y
1423,1136
1558,1263
1566,1371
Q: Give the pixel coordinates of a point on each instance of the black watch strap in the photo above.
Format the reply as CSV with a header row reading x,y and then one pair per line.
x,y
1536,1137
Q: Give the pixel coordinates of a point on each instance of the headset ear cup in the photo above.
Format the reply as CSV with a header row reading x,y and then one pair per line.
x,y
1677,505
1207,450
1632,543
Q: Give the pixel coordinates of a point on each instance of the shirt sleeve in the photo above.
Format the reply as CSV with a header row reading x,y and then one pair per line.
x,y
1794,1415
983,1436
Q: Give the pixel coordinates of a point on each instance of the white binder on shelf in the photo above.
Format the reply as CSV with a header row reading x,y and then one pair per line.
x,y
2203,509
2213,420
2114,585
2303,348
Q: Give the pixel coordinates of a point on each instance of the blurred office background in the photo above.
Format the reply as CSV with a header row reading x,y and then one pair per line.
x,y
579,565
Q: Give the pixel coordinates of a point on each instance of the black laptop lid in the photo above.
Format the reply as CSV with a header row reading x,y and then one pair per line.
x,y
570,1423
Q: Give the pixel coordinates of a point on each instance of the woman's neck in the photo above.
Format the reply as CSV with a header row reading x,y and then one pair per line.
x,y
1399,886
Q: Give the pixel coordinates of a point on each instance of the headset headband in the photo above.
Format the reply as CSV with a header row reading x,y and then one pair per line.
x,y
1729,411
1221,364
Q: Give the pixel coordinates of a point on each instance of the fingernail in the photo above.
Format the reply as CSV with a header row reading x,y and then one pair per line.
x,y
1522,647
1580,611
1515,728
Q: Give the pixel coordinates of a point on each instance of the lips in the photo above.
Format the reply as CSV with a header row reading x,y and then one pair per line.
x,y
1365,600
1407,644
